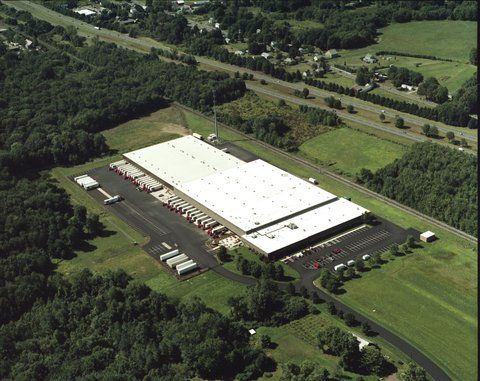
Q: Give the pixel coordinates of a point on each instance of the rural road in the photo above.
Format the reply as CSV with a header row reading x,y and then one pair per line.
x,y
88,30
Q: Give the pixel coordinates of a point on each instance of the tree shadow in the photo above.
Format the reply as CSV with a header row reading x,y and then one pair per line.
x,y
86,247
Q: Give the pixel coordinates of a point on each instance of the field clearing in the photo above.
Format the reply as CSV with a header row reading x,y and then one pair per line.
x,y
442,282
296,341
213,289
444,39
440,38
157,127
350,150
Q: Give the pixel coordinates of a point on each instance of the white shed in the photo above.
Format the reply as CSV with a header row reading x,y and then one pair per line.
x,y
427,236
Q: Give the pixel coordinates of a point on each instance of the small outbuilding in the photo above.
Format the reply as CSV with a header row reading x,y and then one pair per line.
x,y
332,53
428,236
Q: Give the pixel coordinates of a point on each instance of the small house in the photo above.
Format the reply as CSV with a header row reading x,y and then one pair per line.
x,y
266,55
217,25
331,53
288,61
428,236
369,59
238,53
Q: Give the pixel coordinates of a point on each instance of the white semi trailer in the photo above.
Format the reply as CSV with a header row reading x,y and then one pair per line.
x,y
175,261
186,267
168,255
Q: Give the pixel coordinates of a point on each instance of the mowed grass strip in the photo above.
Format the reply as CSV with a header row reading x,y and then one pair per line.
x,y
428,297
210,287
157,127
440,38
350,150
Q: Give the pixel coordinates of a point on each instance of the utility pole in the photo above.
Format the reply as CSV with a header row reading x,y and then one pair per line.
x,y
215,116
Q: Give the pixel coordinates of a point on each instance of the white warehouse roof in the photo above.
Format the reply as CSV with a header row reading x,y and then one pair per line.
x,y
255,194
181,160
268,207
296,229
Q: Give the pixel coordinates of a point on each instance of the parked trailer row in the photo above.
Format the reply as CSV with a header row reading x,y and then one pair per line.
x,y
177,260
114,165
86,182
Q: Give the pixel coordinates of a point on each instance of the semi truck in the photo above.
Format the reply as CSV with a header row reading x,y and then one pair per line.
x,y
112,200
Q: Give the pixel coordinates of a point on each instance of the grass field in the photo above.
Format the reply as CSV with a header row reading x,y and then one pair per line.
x,y
442,282
445,39
349,150
160,126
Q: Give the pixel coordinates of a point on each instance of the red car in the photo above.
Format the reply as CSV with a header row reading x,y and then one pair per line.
x,y
336,251
315,265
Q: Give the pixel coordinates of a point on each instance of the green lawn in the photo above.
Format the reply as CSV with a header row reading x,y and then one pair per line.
x,y
349,150
162,125
445,39
289,272
213,289
433,290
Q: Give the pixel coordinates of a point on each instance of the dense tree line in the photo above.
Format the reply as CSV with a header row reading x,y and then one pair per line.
x,y
400,75
257,270
266,304
456,113
414,55
435,180
37,224
107,327
59,121
433,91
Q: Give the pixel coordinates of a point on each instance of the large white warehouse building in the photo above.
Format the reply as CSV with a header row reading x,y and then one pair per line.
x,y
271,210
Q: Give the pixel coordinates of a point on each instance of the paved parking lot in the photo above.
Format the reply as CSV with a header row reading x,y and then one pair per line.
x,y
145,213
350,246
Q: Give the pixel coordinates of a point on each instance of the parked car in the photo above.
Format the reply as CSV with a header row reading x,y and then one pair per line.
x,y
336,251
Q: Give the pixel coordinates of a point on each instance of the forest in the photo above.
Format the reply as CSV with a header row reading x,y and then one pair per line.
x,y
92,326
79,98
108,327
438,181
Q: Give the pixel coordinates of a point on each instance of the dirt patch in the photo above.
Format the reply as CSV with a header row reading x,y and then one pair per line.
x,y
393,377
175,129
